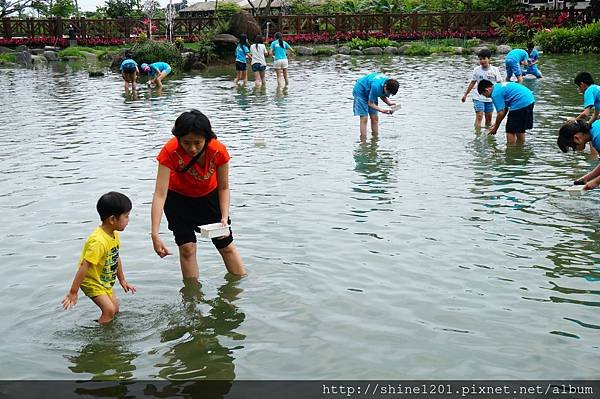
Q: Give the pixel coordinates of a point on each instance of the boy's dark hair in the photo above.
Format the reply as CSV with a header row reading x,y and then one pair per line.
x,y
530,46
128,54
194,122
484,53
567,133
584,77
483,85
392,85
113,204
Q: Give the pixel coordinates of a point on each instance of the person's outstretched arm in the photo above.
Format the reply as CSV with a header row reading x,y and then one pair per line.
x,y
499,118
121,276
158,206
469,88
224,193
71,298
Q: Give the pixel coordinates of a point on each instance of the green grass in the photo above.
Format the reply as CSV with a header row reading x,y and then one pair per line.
x,y
194,46
5,58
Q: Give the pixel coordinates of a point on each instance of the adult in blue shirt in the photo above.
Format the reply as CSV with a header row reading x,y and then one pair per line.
x,y
575,134
129,72
514,99
367,91
157,71
513,61
534,57
279,49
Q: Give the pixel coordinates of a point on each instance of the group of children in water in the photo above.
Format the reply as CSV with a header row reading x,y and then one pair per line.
x,y
192,182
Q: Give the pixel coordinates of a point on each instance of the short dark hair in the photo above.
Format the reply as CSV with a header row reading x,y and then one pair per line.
x,y
567,133
113,204
584,77
392,85
483,85
195,122
484,53
530,46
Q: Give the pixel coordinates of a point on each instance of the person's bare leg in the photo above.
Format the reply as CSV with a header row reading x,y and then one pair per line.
x,y
108,307
233,260
374,124
488,119
285,76
363,126
478,119
188,261
511,138
520,138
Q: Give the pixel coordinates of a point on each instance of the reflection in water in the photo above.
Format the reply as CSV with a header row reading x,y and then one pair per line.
x,y
106,357
199,354
376,166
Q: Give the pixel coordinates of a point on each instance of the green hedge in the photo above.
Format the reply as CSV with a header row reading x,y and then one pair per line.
x,y
585,39
153,51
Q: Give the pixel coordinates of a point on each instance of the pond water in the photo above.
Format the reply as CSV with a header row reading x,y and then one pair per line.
x,y
428,252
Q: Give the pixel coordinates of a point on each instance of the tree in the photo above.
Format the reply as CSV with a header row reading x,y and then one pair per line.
x,y
62,8
121,8
8,7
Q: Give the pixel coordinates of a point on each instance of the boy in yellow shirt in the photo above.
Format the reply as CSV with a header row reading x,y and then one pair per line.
x,y
100,263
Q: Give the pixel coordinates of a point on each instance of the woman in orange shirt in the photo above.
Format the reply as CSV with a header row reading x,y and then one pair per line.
x,y
192,188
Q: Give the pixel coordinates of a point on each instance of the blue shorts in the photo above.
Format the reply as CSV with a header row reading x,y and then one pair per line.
x,y
483,106
361,106
533,70
258,67
512,67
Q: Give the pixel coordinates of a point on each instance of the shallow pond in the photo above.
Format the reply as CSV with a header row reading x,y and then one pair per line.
x,y
428,252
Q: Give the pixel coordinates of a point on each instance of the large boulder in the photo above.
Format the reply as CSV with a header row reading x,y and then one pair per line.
x,y
38,60
402,49
356,52
22,48
390,50
244,22
503,49
344,50
51,48
373,51
50,55
4,50
325,50
303,50
225,45
23,58
91,57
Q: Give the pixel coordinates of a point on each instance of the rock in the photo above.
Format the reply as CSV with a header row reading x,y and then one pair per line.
x,y
96,74
23,58
458,50
51,55
244,22
37,51
402,49
225,45
51,48
89,56
198,65
477,49
390,50
373,51
70,58
344,50
303,50
4,50
324,50
356,52
21,48
38,60
503,49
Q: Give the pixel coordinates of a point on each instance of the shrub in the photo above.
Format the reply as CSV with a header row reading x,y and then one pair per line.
x,y
179,41
519,28
153,51
226,10
570,40
357,43
7,58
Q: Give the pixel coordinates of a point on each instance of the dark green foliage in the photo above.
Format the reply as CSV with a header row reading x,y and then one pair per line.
x,y
153,51
570,40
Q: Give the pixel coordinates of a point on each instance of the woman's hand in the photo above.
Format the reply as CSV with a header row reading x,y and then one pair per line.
x,y
159,247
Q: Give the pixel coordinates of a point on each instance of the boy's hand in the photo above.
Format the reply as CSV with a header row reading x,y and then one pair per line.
x,y
69,300
493,130
464,98
128,287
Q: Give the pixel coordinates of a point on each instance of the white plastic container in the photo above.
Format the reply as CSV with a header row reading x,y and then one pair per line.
x,y
577,190
259,141
395,108
214,230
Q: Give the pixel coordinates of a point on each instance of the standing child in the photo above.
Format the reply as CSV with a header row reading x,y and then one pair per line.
x,y
481,103
575,134
192,188
279,49
241,57
513,62
129,71
258,51
157,72
591,96
367,91
534,57
516,98
100,262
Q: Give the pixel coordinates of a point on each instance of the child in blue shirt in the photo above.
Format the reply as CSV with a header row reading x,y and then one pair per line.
x,y
157,72
279,49
534,57
575,134
241,56
129,71
367,92
513,61
513,97
591,96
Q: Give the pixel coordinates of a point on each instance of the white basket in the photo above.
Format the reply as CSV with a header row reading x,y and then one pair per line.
x,y
576,191
214,230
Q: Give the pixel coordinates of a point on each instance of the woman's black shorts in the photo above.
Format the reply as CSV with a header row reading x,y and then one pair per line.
x,y
240,66
520,120
185,214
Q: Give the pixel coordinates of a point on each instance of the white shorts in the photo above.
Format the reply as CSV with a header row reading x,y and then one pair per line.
x,y
280,64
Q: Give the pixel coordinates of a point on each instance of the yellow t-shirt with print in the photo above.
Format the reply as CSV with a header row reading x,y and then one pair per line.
x,y
102,252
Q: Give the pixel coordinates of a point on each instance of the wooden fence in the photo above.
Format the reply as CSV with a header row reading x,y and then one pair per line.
x,y
287,24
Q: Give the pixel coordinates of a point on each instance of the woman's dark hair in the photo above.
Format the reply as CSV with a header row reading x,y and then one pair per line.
x,y
279,37
197,123
584,77
567,133
484,84
243,41
392,85
113,204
